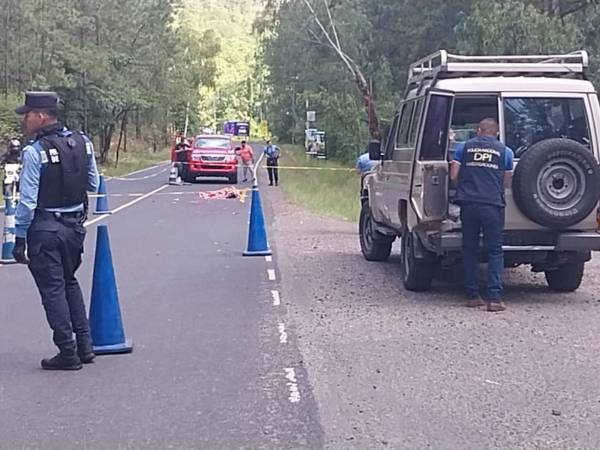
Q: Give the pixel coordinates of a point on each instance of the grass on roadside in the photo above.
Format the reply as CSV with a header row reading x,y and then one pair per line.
x,y
137,157
333,193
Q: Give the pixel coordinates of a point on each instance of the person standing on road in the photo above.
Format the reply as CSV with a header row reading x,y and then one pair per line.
x,y
482,169
247,157
58,168
272,153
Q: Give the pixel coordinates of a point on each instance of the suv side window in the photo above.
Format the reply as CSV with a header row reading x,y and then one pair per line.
x,y
404,129
435,134
416,122
391,138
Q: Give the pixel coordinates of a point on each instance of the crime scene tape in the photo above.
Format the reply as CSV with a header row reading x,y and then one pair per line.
x,y
341,169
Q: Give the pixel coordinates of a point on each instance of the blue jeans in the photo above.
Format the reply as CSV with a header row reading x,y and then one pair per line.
x,y
476,217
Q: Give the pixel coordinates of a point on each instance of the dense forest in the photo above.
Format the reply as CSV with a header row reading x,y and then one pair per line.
x,y
138,67
379,39
116,65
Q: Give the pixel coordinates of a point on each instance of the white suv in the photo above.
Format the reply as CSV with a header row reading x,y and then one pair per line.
x,y
548,115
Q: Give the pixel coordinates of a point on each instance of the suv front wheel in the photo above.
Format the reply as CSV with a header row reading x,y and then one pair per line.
x,y
374,245
566,278
417,274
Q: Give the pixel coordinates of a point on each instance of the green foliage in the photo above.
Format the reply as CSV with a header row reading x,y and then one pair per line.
x,y
234,92
8,122
112,62
511,27
384,37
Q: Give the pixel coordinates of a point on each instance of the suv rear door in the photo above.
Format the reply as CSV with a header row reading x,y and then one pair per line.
x,y
429,195
380,189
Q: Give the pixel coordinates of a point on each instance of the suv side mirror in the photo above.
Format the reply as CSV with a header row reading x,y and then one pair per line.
x,y
374,150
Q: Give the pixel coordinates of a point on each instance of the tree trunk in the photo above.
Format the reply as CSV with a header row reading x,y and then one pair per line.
x,y
124,126
105,138
122,137
138,125
19,43
360,81
6,47
119,145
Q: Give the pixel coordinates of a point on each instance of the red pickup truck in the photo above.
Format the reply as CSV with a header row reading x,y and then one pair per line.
x,y
210,155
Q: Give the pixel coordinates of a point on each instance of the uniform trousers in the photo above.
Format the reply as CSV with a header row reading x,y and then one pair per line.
x,y
55,246
273,170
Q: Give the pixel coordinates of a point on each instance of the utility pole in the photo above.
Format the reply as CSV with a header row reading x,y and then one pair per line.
x,y
215,109
187,118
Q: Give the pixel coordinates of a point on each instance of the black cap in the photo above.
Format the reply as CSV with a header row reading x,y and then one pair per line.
x,y
38,100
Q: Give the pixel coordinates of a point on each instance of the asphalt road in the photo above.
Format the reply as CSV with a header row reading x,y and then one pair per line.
x,y
209,368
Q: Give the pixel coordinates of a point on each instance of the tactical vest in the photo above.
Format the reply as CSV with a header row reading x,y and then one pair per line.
x,y
481,175
63,180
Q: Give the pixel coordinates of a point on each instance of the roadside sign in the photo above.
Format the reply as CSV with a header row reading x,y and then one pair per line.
x,y
311,116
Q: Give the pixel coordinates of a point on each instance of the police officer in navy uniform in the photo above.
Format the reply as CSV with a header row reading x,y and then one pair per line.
x,y
482,169
59,168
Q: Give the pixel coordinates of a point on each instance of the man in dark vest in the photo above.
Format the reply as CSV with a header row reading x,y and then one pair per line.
x,y
58,168
482,170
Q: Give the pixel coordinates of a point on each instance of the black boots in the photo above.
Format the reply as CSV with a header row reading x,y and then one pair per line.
x,y
70,360
85,352
62,362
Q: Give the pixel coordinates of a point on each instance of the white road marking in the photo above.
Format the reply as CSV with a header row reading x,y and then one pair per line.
x,y
139,194
292,384
276,298
269,258
143,170
282,334
126,205
271,273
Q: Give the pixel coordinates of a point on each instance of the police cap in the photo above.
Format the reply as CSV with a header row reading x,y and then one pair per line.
x,y
38,100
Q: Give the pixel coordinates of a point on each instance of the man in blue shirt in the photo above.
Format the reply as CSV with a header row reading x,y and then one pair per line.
x,y
482,169
364,164
58,168
272,153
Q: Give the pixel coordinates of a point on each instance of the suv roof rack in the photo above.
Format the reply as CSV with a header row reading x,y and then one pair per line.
x,y
442,64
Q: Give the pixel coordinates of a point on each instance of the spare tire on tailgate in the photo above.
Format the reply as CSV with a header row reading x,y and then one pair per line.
x,y
556,183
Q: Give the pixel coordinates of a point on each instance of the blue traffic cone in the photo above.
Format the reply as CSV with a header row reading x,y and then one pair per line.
x,y
102,199
8,235
257,235
106,325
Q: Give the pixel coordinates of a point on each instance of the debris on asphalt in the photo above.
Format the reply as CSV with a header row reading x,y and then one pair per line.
x,y
224,193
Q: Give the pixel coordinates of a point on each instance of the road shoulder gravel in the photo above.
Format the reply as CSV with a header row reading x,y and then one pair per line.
x,y
395,369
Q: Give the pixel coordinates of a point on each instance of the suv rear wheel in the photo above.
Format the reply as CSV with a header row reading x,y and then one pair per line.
x,y
566,278
374,245
417,274
557,183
